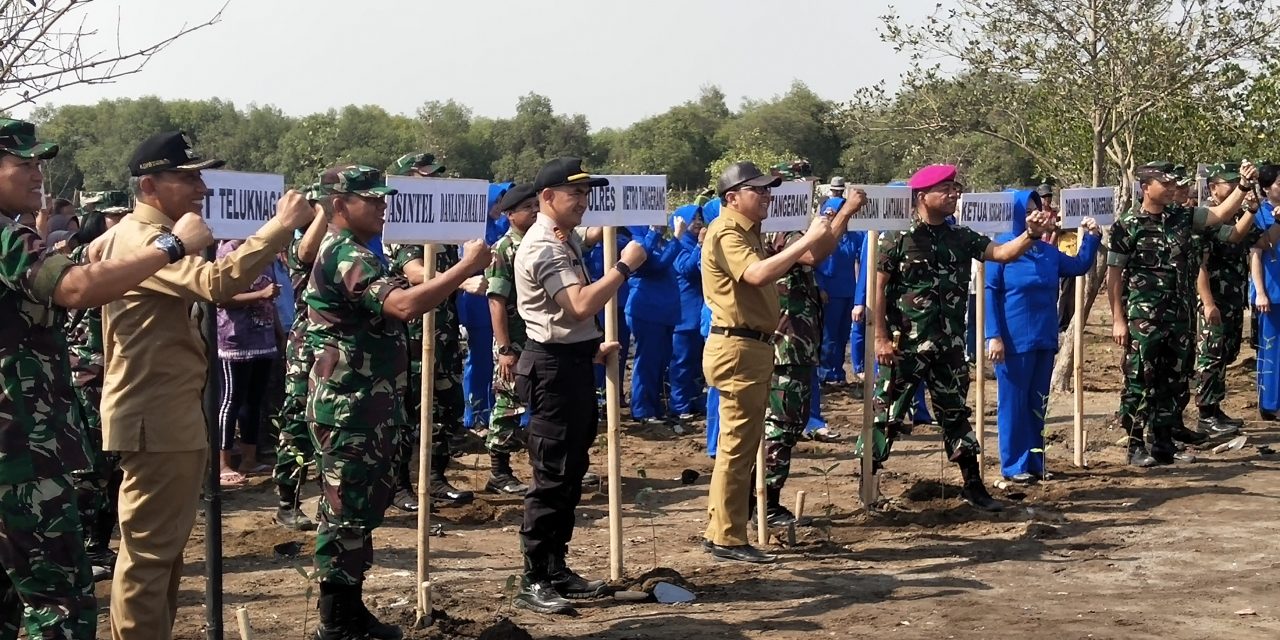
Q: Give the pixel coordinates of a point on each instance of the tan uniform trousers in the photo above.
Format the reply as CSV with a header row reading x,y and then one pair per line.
x,y
159,498
740,368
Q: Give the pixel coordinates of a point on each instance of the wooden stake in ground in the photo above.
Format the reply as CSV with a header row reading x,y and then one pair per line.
x,y
424,446
1077,348
868,490
613,410
242,619
762,522
980,355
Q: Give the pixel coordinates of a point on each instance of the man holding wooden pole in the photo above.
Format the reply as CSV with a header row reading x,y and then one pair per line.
x,y
555,377
356,314
739,281
923,279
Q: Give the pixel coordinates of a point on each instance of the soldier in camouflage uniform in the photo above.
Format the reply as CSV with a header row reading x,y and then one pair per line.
x,y
46,587
1151,266
920,327
98,486
1223,289
449,402
356,312
521,207
295,450
796,348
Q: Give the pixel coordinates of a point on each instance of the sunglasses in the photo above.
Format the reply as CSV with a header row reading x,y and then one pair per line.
x,y
760,190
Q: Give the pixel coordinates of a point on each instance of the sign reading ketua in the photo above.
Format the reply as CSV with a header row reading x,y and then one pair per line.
x,y
435,210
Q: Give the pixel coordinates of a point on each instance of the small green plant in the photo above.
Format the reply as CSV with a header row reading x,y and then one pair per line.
x,y
646,499
830,507
1043,449
509,589
311,590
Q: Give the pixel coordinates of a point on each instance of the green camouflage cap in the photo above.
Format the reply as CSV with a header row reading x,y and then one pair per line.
x,y
1224,171
314,191
355,179
114,202
1160,171
18,137
425,163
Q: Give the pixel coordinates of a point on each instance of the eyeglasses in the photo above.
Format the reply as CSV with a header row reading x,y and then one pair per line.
x,y
760,190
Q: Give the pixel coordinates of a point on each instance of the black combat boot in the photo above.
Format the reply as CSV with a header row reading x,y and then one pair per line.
x,y
1213,423
442,493
501,478
776,514
1187,436
288,513
343,616
536,591
1162,448
369,623
571,585
974,492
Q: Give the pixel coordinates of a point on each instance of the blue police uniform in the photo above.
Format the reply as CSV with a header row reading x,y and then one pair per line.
x,y
687,341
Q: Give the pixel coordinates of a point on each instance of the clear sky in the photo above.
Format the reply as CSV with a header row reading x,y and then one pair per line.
x,y
614,61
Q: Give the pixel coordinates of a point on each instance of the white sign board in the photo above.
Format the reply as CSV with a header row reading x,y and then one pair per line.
x,y
887,209
237,203
791,208
1075,205
628,201
987,213
435,210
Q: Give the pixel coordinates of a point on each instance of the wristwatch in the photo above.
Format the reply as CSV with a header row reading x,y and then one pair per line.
x,y
506,350
622,268
171,245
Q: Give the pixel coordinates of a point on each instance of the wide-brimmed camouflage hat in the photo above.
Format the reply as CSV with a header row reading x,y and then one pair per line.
x,y
1160,171
18,137
355,179
424,163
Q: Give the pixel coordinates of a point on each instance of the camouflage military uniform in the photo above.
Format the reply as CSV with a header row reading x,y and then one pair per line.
x,y
504,421
1219,344
46,586
927,272
295,449
96,486
1160,259
355,407
447,408
795,356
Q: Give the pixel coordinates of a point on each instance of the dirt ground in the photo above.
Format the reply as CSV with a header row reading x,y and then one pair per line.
x,y
1187,551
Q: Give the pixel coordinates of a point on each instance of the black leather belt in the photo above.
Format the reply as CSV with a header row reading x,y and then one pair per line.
x,y
750,334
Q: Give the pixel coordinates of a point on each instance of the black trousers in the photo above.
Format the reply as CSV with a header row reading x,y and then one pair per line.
x,y
556,382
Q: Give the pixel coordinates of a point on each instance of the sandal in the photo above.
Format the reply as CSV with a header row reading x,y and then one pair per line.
x,y
259,470
230,479
822,434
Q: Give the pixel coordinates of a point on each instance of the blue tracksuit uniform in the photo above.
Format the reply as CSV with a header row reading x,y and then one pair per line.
x,y
837,279
595,267
687,342
473,313
653,314
1022,311
1268,323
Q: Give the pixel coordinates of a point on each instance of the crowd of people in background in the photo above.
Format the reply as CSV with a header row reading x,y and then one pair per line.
x,y
319,352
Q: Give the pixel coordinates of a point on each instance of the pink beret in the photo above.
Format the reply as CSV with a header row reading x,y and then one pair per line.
x,y
931,176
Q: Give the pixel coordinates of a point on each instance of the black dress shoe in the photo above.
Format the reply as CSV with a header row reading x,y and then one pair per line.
x,y
1164,453
506,483
975,493
1187,436
541,597
1267,415
741,553
405,500
1140,457
1023,478
447,495
1214,426
779,516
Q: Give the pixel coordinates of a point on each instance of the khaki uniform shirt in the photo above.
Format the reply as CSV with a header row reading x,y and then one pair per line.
x,y
154,351
732,244
549,260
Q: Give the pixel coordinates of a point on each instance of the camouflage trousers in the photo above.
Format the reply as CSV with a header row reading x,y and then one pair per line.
x,y
295,448
97,488
46,586
1157,369
504,420
1218,347
355,477
947,376
446,421
790,394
